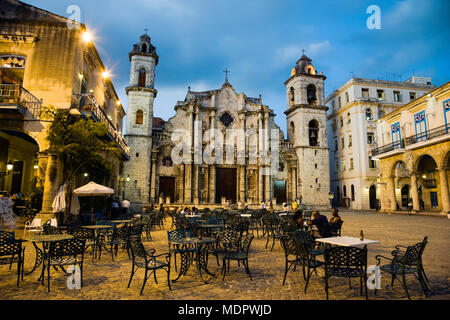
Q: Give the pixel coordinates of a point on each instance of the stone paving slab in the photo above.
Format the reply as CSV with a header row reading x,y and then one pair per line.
x,y
104,280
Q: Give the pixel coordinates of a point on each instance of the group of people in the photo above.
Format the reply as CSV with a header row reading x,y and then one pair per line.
x,y
117,209
324,227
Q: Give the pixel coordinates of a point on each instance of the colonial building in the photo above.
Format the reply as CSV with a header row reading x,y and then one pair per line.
x,y
222,145
47,60
414,154
354,110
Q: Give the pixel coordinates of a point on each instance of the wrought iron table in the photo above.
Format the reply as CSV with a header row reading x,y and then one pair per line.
x,y
193,250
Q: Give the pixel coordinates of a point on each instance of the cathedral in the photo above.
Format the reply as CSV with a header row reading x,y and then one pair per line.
x,y
222,146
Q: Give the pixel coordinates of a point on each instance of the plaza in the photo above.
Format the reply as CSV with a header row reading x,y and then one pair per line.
x,y
107,280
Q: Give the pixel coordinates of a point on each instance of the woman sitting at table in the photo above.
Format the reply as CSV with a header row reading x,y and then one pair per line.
x,y
335,219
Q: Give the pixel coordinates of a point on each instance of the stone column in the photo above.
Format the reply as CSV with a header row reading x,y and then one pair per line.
x,y
196,184
42,165
444,191
153,195
242,179
212,188
260,184
415,193
390,189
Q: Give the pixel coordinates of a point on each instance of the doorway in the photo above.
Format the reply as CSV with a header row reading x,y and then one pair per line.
x,y
279,190
167,187
373,197
16,184
226,184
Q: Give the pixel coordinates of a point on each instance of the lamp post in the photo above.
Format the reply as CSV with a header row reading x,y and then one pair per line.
x,y
331,197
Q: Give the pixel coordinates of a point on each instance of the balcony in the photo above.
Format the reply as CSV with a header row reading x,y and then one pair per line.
x,y
87,104
428,135
286,146
16,99
389,147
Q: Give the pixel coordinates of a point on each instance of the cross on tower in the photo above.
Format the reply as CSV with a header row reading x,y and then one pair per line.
x,y
146,30
303,50
226,71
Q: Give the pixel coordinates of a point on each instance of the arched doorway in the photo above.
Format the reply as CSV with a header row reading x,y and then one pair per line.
x,y
373,197
427,180
405,197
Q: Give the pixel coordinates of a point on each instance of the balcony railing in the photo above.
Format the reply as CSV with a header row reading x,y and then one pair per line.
x,y
286,145
389,147
429,183
88,103
18,96
428,135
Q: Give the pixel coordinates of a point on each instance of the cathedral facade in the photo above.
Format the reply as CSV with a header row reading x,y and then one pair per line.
x,y
223,146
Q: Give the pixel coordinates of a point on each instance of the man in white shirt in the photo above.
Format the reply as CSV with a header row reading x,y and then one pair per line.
x,y
125,206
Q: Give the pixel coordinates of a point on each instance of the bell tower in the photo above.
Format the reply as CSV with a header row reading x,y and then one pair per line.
x,y
141,95
306,117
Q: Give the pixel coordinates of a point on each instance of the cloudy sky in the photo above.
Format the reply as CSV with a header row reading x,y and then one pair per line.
x,y
260,41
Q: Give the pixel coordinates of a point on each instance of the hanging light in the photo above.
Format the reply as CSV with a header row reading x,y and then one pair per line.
x,y
9,166
35,166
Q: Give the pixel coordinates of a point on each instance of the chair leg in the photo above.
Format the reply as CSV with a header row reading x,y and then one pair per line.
x,y
393,279
423,284
285,272
154,275
349,283
131,276
405,286
248,269
19,265
307,279
168,277
48,277
145,280
365,285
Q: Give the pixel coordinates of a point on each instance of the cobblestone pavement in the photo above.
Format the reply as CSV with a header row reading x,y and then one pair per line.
x,y
107,280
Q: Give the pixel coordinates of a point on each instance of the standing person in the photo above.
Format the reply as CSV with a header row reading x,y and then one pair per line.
x,y
240,205
270,206
294,205
125,207
263,206
115,209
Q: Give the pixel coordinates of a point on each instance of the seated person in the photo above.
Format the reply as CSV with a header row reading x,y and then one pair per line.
x,y
335,219
297,219
321,222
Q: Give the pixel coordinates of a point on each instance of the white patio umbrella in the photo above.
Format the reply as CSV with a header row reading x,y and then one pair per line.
x,y
93,189
59,203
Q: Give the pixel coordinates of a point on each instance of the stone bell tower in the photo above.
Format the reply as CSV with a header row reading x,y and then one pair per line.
x,y
306,117
141,95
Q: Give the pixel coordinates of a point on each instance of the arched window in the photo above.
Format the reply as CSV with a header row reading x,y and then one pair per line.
x,y
338,194
139,117
345,192
142,77
368,114
311,94
313,133
353,193
144,47
292,132
292,95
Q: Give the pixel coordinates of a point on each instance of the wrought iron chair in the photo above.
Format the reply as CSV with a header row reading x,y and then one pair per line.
x,y
12,251
273,230
178,234
65,253
240,255
147,260
404,263
85,234
346,262
301,257
335,228
7,234
306,238
226,239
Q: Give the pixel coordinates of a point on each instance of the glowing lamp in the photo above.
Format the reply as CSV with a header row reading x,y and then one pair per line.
x,y
9,166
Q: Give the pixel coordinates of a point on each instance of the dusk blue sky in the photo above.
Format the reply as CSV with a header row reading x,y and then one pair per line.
x,y
261,40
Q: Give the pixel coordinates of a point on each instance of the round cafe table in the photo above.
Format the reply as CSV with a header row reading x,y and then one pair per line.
x,y
98,244
41,254
199,248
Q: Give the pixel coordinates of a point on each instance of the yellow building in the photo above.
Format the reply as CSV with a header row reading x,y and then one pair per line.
x,y
415,155
46,59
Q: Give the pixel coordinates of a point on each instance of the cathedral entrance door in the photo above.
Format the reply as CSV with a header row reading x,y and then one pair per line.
x,y
226,184
167,187
279,190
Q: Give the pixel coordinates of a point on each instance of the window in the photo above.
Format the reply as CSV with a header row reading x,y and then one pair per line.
x,y
369,114
139,117
380,94
313,133
350,140
341,120
226,119
397,96
345,192
370,138
343,142
311,94
142,77
144,47
167,162
421,126
412,96
343,165
372,163
347,99
292,96
353,193
339,102
335,145
349,118
365,93
351,163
